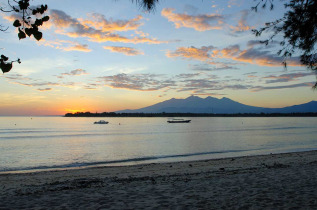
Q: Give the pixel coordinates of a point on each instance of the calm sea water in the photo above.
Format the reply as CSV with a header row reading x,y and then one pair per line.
x,y
40,143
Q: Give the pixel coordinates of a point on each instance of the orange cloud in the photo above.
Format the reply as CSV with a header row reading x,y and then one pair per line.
x,y
70,45
260,57
78,47
250,55
101,23
192,53
12,18
242,24
102,31
255,56
124,50
199,22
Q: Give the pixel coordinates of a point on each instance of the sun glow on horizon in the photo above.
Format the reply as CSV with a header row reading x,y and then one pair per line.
x,y
73,111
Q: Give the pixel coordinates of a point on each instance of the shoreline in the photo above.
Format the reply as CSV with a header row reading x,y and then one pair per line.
x,y
286,180
142,161
194,115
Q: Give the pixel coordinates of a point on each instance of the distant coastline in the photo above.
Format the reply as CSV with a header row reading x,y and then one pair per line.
x,y
163,114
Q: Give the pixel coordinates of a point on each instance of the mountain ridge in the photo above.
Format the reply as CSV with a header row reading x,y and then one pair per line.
x,y
195,104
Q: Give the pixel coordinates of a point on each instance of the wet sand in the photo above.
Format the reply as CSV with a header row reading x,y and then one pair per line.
x,y
274,181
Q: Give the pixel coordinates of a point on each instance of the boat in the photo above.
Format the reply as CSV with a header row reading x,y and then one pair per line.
x,y
178,121
101,122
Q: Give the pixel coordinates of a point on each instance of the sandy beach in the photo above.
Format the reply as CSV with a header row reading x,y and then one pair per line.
x,y
274,181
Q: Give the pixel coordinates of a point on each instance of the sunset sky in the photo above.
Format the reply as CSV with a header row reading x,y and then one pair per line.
x,y
111,55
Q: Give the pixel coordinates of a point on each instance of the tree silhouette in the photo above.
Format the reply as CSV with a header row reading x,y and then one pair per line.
x,y
29,19
148,5
298,27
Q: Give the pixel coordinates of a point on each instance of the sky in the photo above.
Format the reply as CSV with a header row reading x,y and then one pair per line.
x,y
104,56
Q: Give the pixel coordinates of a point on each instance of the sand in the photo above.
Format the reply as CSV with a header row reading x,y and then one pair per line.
x,y
274,181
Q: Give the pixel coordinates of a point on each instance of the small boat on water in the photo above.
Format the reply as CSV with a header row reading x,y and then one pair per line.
x,y
178,121
101,122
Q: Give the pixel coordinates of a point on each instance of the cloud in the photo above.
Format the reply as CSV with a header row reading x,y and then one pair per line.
x,y
190,53
44,89
91,86
242,23
208,84
210,54
254,43
205,67
124,50
262,58
37,84
200,83
287,77
32,82
99,29
16,77
196,93
76,72
199,22
12,17
305,84
101,23
78,47
140,82
186,76
47,83
255,56
234,3
65,45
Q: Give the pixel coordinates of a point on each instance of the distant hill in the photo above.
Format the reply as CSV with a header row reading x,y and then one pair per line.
x,y
195,104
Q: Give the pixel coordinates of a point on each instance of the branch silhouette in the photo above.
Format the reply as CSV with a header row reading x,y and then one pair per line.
x,y
29,20
298,27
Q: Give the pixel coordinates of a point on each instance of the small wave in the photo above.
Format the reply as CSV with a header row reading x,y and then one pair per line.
x,y
122,161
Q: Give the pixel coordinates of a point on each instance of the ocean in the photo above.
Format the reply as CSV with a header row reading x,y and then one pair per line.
x,y
50,143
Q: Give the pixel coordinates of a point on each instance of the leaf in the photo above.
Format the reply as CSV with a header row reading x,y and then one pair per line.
x,y
41,9
16,23
21,34
4,58
23,5
37,35
35,28
38,22
5,67
29,31
45,18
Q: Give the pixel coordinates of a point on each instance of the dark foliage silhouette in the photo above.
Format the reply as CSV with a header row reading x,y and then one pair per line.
x,y
163,114
148,5
29,19
298,28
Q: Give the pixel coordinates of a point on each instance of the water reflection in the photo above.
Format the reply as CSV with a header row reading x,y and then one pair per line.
x,y
64,142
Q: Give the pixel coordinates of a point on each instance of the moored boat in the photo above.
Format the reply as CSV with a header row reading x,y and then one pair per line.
x,y
178,121
101,122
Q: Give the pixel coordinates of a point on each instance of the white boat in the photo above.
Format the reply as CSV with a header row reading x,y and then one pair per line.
x,y
178,121
101,122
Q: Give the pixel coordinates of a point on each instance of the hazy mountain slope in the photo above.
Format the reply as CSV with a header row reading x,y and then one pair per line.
x,y
194,104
